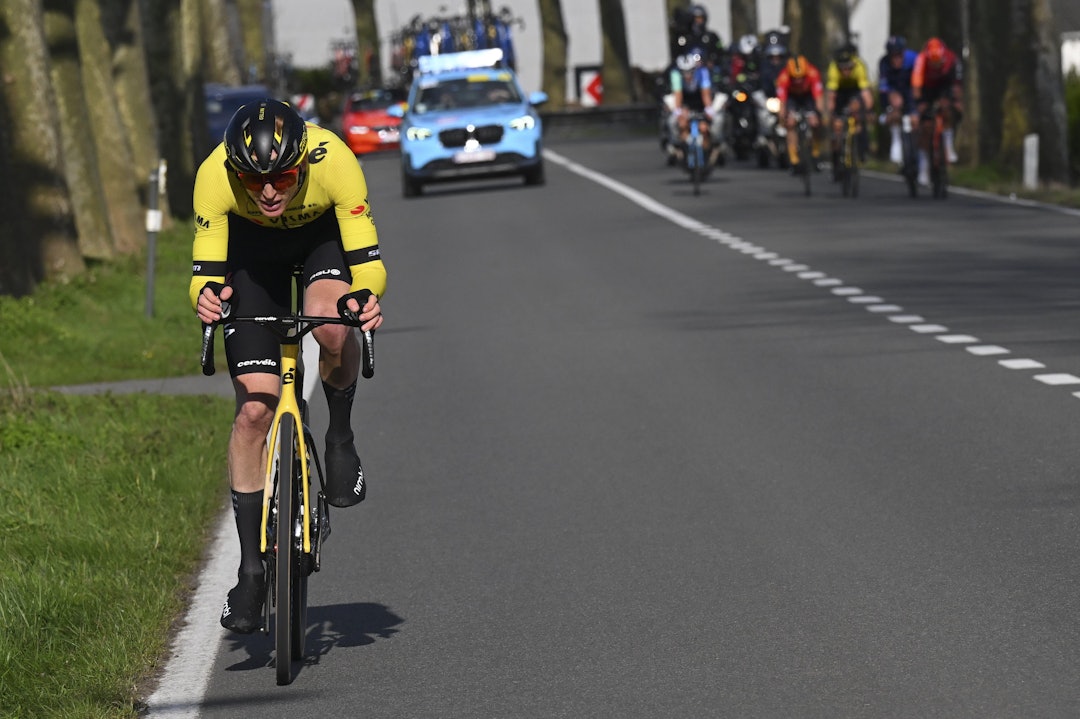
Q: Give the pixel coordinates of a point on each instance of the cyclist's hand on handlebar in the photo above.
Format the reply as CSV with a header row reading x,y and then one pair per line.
x,y
361,309
210,301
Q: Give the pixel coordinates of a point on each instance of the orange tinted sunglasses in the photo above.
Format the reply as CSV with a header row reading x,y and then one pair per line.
x,y
281,181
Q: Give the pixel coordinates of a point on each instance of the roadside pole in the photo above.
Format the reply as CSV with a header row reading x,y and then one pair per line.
x,y
153,227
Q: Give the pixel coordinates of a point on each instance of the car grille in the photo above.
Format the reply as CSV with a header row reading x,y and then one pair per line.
x,y
485,135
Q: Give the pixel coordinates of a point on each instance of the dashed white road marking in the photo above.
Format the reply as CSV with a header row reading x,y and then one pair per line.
x,y
1057,379
987,350
1021,364
893,312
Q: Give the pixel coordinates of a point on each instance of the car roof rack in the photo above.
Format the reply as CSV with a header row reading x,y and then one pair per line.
x,y
467,60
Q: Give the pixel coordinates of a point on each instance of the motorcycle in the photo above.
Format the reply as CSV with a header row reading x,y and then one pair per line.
x,y
742,122
775,137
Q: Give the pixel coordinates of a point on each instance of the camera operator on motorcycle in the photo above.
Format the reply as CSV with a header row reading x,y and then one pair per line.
x,y
894,90
743,75
690,30
847,90
691,92
800,90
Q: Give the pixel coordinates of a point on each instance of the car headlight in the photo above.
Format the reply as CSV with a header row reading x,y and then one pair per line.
x,y
525,122
358,130
773,104
418,133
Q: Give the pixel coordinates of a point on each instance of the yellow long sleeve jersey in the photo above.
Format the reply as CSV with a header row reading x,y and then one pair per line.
x,y
334,181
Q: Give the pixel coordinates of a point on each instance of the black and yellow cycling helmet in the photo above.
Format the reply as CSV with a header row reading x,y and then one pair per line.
x,y
264,137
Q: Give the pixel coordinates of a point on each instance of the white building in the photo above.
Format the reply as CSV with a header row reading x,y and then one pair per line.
x,y
307,29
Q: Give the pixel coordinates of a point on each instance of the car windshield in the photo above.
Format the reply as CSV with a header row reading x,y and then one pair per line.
x,y
365,101
465,93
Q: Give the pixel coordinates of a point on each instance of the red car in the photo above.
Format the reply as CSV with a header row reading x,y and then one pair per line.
x,y
365,125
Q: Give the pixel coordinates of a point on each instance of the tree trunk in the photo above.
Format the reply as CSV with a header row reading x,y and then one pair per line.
x,y
115,158
219,60
615,74
804,17
256,61
553,76
1049,111
744,18
835,22
367,43
42,243
162,22
124,31
80,156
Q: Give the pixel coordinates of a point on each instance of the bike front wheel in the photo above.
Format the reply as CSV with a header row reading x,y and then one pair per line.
x,y
288,599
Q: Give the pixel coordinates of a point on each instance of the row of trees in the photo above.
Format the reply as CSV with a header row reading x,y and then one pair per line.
x,y
95,93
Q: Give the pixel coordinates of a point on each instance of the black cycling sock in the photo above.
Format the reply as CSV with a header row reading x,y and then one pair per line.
x,y
339,402
247,508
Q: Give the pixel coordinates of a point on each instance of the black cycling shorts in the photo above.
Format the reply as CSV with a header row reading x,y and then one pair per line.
x,y
801,103
844,98
259,270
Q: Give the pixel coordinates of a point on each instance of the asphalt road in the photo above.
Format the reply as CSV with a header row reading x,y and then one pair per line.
x,y
747,454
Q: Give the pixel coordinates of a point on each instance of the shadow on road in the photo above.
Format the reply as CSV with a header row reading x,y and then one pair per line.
x,y
330,627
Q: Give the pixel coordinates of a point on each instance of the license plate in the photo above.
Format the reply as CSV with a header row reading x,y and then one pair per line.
x,y
463,158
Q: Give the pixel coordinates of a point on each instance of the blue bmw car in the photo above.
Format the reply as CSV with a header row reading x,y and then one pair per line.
x,y
467,117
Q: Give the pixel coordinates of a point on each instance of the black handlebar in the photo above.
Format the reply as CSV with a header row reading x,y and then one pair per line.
x,y
282,325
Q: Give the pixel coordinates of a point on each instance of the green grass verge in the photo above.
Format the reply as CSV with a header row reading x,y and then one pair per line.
x,y
95,328
107,499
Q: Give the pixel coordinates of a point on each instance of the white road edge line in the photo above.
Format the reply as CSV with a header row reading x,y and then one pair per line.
x,y
195,648
821,279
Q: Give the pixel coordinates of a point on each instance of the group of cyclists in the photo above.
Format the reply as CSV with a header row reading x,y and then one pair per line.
x,y
912,85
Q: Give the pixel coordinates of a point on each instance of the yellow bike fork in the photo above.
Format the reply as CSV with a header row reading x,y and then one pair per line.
x,y
287,404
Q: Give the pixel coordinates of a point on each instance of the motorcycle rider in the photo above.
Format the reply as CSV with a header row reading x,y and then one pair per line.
x,y
690,30
800,90
744,72
691,92
847,89
776,57
938,74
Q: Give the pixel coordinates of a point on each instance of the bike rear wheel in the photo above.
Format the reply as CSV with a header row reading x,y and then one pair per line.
x,y
939,165
806,160
287,562
911,164
851,168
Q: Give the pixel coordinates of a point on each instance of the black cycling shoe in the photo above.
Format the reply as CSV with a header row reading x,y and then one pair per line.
x,y
345,484
242,612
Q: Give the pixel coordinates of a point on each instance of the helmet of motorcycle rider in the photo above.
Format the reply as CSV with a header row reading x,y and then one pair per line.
x,y
797,67
265,137
896,44
747,44
688,62
698,12
935,51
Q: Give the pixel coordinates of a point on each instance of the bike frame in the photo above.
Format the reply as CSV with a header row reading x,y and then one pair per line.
x,y
291,375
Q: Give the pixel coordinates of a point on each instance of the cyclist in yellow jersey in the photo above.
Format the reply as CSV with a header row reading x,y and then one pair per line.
x,y
276,194
848,90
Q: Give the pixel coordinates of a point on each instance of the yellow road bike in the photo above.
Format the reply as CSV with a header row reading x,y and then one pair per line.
x,y
850,155
293,525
